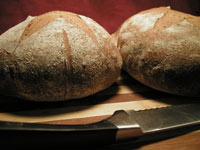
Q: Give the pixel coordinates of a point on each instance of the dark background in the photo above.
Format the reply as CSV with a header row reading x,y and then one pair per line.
x,y
109,13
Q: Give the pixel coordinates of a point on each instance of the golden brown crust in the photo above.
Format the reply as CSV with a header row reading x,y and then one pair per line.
x,y
172,17
43,20
58,56
161,48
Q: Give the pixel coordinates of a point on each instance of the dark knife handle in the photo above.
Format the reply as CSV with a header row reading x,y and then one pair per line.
x,y
118,126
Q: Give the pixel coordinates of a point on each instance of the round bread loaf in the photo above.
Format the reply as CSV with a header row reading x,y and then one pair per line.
x,y
57,56
160,48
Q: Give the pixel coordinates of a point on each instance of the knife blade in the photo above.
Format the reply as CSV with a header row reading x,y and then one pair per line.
x,y
121,126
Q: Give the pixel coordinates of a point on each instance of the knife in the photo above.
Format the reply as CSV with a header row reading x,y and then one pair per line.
x,y
121,126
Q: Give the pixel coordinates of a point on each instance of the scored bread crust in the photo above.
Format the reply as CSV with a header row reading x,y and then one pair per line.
x,y
160,47
57,56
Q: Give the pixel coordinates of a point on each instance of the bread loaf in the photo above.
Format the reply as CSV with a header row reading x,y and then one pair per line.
x,y
57,56
160,48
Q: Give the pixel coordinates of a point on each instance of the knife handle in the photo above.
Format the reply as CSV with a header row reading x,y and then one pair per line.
x,y
115,128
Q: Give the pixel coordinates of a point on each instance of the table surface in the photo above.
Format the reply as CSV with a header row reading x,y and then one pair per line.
x,y
126,94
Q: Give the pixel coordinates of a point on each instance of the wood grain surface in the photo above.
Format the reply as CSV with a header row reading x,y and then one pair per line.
x,y
126,94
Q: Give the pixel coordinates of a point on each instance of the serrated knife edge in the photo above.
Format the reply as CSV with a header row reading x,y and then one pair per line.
x,y
122,125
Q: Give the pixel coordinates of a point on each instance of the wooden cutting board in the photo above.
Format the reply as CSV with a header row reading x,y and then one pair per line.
x,y
126,94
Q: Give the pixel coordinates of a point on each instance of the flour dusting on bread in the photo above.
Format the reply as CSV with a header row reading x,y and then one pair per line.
x,y
144,22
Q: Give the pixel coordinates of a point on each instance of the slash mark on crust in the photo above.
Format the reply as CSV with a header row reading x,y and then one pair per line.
x,y
68,64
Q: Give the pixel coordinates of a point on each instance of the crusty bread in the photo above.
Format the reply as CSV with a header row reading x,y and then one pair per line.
x,y
160,47
57,56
